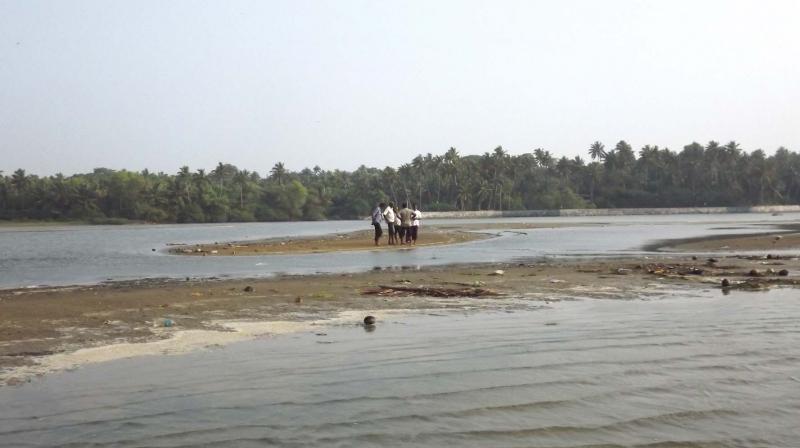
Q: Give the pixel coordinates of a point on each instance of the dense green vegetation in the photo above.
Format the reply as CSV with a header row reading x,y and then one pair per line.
x,y
710,175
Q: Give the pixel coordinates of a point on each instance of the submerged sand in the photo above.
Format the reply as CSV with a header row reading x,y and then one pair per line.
x,y
52,329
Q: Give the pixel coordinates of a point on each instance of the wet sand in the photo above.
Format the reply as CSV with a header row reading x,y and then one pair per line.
x,y
341,242
429,235
40,324
731,243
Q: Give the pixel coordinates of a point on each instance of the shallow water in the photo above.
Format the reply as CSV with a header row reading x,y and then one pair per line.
x,y
683,369
91,254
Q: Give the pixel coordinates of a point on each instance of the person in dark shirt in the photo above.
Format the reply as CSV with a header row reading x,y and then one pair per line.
x,y
405,215
377,213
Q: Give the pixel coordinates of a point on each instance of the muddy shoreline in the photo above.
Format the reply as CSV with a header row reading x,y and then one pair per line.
x,y
44,323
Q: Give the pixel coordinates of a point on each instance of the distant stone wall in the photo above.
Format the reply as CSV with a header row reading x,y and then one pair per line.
x,y
612,212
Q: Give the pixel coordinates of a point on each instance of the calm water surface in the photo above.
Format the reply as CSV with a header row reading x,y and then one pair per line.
x,y
91,254
686,369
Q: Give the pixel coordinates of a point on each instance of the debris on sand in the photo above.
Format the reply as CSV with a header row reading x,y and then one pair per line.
x,y
666,270
759,283
429,291
369,320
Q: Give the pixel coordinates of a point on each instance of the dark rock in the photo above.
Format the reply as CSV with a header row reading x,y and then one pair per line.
x,y
249,289
694,257
153,249
754,273
726,283
712,260
369,320
783,272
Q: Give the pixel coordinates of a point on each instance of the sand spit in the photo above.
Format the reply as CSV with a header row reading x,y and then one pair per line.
x,y
341,242
362,240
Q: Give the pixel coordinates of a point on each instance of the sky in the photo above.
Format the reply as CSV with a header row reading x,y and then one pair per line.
x,y
152,84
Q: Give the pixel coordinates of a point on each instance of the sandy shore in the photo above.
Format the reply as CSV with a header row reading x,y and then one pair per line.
x,y
429,235
51,329
772,241
361,240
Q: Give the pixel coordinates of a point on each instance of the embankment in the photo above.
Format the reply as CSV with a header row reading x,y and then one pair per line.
x,y
612,212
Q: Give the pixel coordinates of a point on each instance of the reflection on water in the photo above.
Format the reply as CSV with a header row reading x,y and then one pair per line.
x,y
58,256
704,370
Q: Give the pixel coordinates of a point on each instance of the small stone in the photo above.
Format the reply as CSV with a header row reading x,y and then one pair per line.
x,y
498,272
694,257
754,273
783,272
249,289
369,320
712,260
298,299
726,283
153,249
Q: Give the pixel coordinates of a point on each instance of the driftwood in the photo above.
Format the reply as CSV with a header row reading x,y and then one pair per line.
x,y
429,291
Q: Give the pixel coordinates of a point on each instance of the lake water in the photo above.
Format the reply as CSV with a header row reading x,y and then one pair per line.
x,y
686,369
672,368
92,254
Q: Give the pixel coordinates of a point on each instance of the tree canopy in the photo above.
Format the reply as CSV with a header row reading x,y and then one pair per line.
x,y
699,175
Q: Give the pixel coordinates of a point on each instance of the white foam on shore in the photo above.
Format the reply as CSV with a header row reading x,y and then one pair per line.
x,y
180,342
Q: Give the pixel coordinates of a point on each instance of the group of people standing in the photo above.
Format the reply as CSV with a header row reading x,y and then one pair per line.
x,y
402,225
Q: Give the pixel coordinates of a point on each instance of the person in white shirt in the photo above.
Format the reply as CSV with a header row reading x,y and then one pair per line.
x,y
390,217
415,223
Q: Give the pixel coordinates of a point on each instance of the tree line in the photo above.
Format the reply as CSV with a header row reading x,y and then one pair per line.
x,y
699,175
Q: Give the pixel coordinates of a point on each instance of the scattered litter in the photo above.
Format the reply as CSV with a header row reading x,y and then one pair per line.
x,y
165,322
429,291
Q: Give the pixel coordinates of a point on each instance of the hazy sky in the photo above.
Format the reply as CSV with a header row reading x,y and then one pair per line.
x,y
159,84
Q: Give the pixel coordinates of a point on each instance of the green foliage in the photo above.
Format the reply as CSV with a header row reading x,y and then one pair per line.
x,y
710,175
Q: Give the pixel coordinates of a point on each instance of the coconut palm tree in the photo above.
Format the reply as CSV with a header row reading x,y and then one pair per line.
x,y
597,151
278,173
